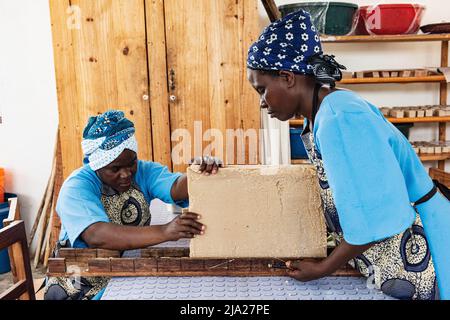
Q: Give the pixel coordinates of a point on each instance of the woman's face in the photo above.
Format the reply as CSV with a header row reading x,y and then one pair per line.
x,y
274,93
119,173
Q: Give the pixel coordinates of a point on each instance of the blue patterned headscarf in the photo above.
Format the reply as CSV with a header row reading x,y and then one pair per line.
x,y
105,137
293,44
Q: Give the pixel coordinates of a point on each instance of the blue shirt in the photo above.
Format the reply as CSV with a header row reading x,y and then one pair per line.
x,y
372,168
79,203
375,175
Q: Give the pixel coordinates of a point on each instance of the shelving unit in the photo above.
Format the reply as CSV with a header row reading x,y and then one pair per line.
x,y
299,122
444,39
393,38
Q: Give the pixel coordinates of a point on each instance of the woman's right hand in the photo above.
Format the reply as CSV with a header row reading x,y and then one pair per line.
x,y
183,226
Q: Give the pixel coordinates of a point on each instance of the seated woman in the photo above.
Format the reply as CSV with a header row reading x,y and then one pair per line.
x,y
105,203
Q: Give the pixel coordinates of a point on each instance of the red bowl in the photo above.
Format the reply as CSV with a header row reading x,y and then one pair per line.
x,y
390,19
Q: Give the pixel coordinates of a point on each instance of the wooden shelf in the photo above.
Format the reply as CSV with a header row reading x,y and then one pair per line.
x,y
394,38
437,78
418,120
434,157
423,157
299,122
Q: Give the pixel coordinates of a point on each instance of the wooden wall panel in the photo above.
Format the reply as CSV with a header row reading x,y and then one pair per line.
x,y
187,64
207,49
159,96
134,55
100,65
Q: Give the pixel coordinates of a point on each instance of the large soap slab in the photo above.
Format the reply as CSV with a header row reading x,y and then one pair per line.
x,y
258,211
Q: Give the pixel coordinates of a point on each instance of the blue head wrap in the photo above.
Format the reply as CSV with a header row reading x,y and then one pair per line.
x,y
105,137
293,44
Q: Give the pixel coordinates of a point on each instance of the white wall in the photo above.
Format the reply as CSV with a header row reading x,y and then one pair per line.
x,y
28,102
394,55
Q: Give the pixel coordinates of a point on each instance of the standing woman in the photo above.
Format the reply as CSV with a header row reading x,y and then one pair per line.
x,y
383,209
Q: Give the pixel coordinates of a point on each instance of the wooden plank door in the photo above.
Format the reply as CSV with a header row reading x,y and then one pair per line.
x,y
101,63
207,43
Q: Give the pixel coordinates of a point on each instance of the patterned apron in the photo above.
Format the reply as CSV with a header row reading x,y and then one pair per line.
x,y
127,208
400,266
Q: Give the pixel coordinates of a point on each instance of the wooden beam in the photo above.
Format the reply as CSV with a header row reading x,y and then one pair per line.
x,y
272,10
173,265
157,70
150,267
14,291
57,265
438,78
387,38
14,238
443,98
435,157
299,122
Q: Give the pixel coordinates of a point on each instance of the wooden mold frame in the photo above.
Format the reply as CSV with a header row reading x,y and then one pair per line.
x,y
154,262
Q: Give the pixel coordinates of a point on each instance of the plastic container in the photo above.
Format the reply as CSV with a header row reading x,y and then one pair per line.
x,y
298,150
330,18
390,19
404,128
4,211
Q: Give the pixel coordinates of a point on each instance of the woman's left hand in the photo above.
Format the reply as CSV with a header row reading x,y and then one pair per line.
x,y
306,270
208,165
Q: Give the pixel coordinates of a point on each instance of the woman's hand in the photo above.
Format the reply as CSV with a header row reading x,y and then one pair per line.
x,y
208,165
183,226
310,270
306,270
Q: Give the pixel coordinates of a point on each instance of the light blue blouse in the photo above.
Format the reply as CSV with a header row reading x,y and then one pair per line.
x,y
375,175
79,203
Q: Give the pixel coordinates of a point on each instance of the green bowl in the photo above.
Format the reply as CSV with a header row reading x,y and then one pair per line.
x,y
336,21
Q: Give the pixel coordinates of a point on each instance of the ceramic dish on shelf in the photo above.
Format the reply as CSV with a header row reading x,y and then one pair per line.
x,y
436,28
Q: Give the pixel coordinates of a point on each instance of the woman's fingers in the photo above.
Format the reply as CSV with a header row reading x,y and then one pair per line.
x,y
188,222
208,169
209,165
293,265
184,234
203,166
296,274
215,168
193,224
189,215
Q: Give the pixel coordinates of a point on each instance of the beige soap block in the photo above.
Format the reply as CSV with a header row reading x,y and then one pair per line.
x,y
410,113
437,149
347,75
429,112
397,113
385,111
259,212
420,113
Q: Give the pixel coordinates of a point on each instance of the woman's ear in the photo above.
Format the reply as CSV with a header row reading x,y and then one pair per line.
x,y
289,77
